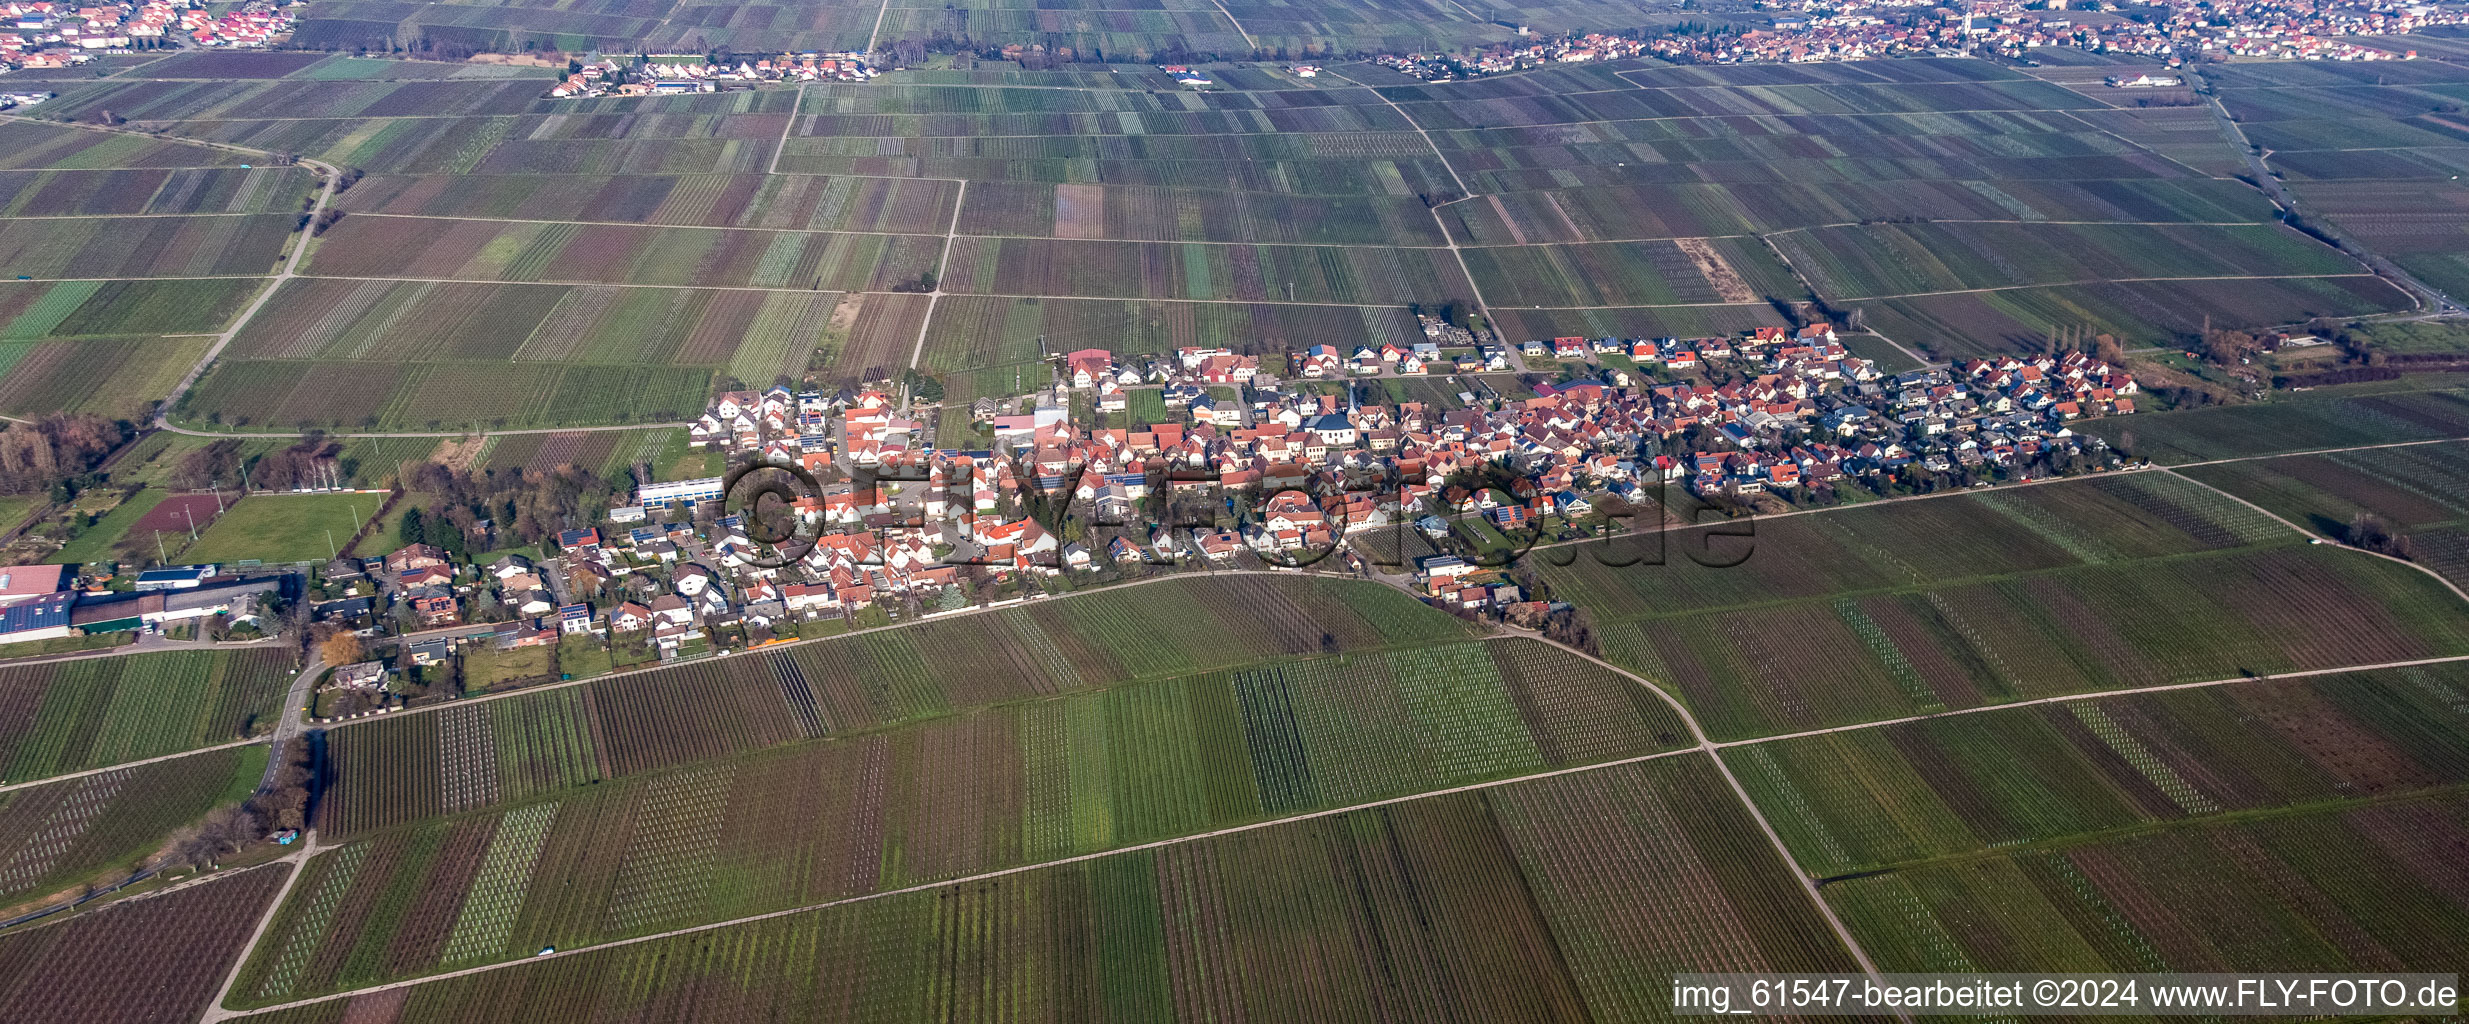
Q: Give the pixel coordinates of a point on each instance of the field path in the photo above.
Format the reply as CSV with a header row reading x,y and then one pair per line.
x,y
1474,290
49,779
294,714
1230,19
800,104
877,34
942,269
291,267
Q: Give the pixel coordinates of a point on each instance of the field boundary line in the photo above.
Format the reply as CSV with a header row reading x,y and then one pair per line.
x,y
1808,883
49,779
2090,281
2312,451
140,216
2068,698
602,428
873,291
982,876
914,234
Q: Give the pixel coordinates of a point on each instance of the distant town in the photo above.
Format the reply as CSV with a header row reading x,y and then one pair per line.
x,y
53,35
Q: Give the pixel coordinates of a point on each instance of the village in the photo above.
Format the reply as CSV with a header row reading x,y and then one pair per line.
x,y
664,74
1301,460
1810,32
45,34
1254,470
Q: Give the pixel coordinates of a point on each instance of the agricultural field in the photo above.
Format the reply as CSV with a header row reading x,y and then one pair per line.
x,y
1102,779
656,720
1570,898
781,202
2420,492
446,322
29,146
70,247
60,375
34,310
77,970
132,192
1967,325
1963,601
2341,417
1911,793
66,716
605,452
63,833
1020,783
1963,208
1687,271
1387,276
2358,887
2377,158
291,395
1133,213
1856,263
993,336
483,250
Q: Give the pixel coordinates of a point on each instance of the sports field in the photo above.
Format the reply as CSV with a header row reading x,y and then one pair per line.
x,y
289,528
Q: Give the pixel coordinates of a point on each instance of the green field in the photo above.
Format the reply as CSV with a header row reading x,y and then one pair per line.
x,y
1086,772
1980,599
1564,899
1938,789
2340,417
288,528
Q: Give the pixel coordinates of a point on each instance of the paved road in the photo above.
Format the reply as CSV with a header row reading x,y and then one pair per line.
x,y
294,722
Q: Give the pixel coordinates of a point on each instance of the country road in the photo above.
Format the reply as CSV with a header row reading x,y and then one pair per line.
x,y
295,714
